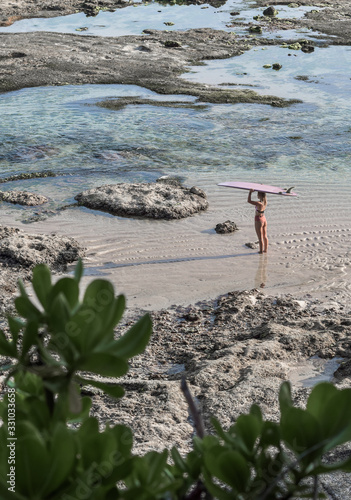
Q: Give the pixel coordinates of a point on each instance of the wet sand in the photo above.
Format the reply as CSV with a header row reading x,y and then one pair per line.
x,y
160,263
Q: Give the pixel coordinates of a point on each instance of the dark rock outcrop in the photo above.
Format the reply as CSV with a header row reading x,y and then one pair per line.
x,y
226,227
23,198
19,249
270,11
152,200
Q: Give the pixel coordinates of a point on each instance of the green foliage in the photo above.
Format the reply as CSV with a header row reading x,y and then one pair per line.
x,y
59,342
56,339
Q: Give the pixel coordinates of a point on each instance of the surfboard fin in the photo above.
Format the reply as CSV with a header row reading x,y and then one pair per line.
x,y
289,189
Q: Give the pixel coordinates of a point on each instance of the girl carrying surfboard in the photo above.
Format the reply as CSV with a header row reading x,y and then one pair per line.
x,y
260,219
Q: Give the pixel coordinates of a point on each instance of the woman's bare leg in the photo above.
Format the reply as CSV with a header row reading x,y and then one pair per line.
x,y
265,237
258,228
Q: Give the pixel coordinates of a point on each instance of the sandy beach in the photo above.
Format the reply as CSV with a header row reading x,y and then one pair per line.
x,y
160,263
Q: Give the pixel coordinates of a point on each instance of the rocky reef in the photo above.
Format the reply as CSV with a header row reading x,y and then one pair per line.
x,y
151,200
234,351
23,198
22,250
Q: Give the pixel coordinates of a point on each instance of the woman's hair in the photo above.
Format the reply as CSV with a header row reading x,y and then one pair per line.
x,y
262,197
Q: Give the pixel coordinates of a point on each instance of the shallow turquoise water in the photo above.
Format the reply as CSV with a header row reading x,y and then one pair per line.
x,y
61,129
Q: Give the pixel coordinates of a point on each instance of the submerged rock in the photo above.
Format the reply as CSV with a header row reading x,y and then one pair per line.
x,y
19,249
307,48
172,43
30,153
31,175
226,227
255,29
270,11
252,245
152,200
23,198
277,66
295,46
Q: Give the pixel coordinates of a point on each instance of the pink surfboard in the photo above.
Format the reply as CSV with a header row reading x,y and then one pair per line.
x,y
263,188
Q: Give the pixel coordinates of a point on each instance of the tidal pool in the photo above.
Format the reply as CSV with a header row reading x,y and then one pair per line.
x,y
132,20
320,77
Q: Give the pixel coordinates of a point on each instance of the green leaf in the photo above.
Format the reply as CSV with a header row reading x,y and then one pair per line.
x,y
157,463
7,348
78,270
256,411
194,463
270,435
29,383
99,295
103,364
285,400
319,398
59,314
99,299
49,360
87,330
135,340
41,282
228,466
37,411
15,325
248,427
26,309
115,312
301,431
56,384
89,428
30,337
114,390
124,440
336,419
216,491
178,460
6,494
62,459
32,460
228,437
95,446
69,288
206,443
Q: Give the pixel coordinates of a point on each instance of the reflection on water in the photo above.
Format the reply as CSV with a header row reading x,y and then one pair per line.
x,y
262,273
318,77
134,19
314,370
